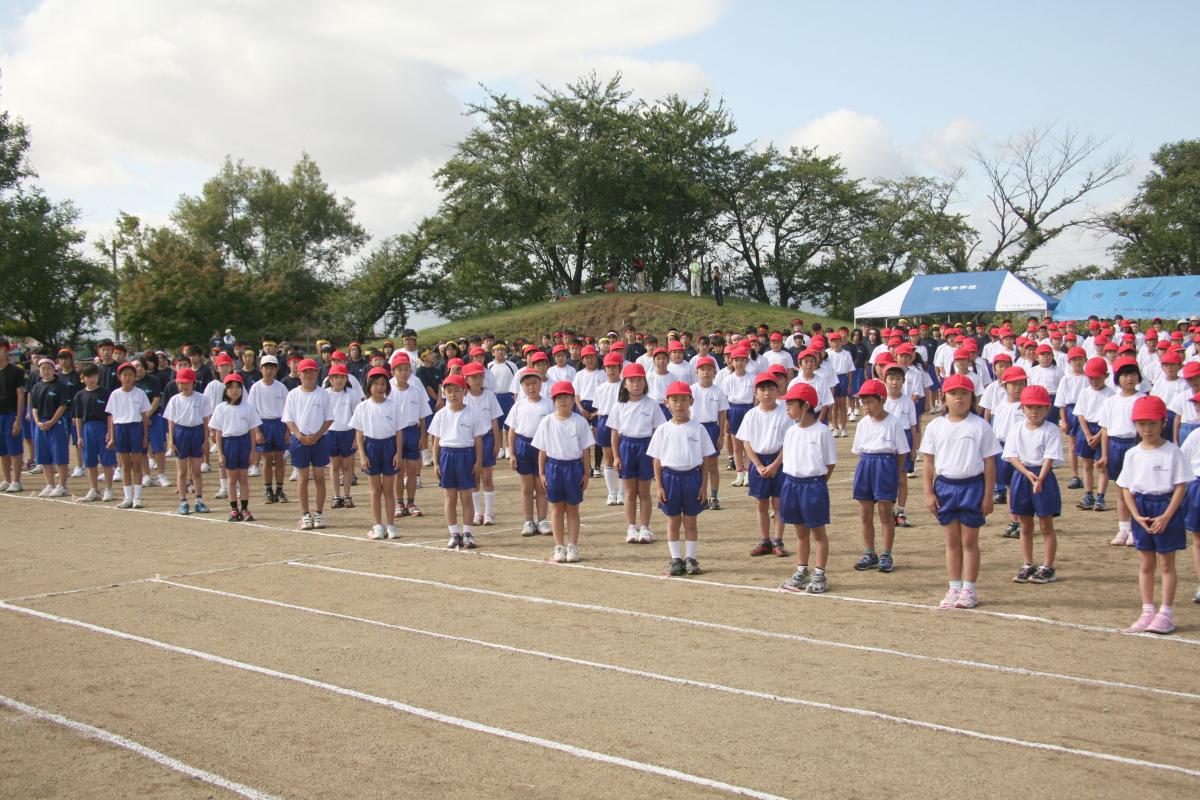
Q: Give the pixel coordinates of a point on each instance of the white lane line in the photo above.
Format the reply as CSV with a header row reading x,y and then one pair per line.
x,y
760,632
796,701
92,732
405,708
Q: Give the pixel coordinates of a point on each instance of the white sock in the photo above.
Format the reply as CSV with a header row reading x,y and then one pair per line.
x,y
969,585
137,491
676,550
224,484
127,491
466,528
476,502
610,479
454,529
690,547
1125,526
489,503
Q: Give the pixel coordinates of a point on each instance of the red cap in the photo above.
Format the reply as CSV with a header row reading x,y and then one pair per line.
x,y
817,343
455,362
1149,407
1195,398
895,341
474,368
185,375
1152,336
338,355
1111,347
1095,368
1044,348
455,380
561,387
913,332
814,354
905,349
802,391
872,388
835,337
679,387
884,359
633,371
1076,352
528,372
588,350
778,370
1014,374
1002,356
1035,396
658,351
233,377
617,345
613,359
400,357
307,363
765,377
1191,370
958,382
1125,363
338,369
674,344
527,348
222,359
539,356
1171,357
1031,326
378,372
1070,337
706,361
1164,344
558,348
476,351
972,346
1005,332
963,352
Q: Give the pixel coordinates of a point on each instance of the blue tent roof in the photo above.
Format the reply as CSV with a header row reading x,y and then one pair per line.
x,y
959,293
1138,298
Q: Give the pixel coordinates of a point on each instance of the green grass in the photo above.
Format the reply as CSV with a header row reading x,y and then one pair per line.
x,y
596,314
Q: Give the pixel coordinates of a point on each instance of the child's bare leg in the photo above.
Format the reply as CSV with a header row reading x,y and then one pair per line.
x,y
1026,538
1146,561
888,523
450,506
1049,540
954,551
779,526
643,491
573,524
866,519
377,484
318,475
631,500
822,548
803,544
970,553
1166,563
557,520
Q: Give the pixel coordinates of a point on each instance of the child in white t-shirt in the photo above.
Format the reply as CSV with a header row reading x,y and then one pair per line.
x,y
562,440
882,446
809,457
680,449
1033,448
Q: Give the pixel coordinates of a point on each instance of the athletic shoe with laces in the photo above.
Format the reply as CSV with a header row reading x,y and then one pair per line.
x,y
901,518
868,561
714,504
644,535
184,509
204,467
729,465
738,480
1075,483
269,496
529,528
572,553
347,502
620,498
544,527
560,553
147,481
337,503
691,566
117,473
3,486
818,585
306,521
91,496
763,548
488,519
414,511
45,492
1087,502
612,499
14,487
295,476
455,542
1025,573
798,582
77,472
676,567
377,532
967,598
468,541
477,519
886,564
222,494
201,508
318,520
138,503
59,491
399,510
950,599
1162,623
1119,539
392,532
1044,574
235,516
36,469
631,534
1141,623
1099,504
778,549
253,472
126,503
247,516
999,498
595,473
163,482
280,497
1013,531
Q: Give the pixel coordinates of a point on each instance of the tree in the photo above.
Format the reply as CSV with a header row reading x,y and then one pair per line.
x,y
1158,231
1037,179
385,285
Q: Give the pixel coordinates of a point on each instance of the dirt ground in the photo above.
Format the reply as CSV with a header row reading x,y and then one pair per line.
x,y
321,664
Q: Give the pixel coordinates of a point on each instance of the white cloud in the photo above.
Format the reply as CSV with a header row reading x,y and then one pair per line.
x,y
946,150
863,142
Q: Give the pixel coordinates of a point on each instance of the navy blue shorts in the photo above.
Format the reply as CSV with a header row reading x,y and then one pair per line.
x,y
72,434
603,434
1117,447
526,455
506,400
1172,539
458,467
1169,427
960,499
563,481
1024,503
856,379
1082,448
933,376
714,433
737,412
761,487
489,449
1191,507
127,437
95,451
27,426
189,441
1004,472
236,450
842,387
275,436
919,404
1052,415
805,501
908,457
157,434
380,454
410,443
52,446
634,461
683,492
1185,430
310,455
341,443
877,478
9,445
589,407
1068,414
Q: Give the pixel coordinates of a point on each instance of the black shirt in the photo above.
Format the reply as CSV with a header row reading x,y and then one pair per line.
x,y
89,406
249,377
431,379
290,381
108,375
12,377
150,385
47,397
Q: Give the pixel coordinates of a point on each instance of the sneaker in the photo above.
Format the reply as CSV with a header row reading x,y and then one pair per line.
x,y
1013,531
354,480
560,553
427,462
184,509
1098,505
612,499
3,486
318,520
488,519
886,564
138,503
676,567
247,516
269,496
1087,503
1044,574
337,503
204,467
91,496
595,473
544,527
1119,539
631,534
400,510
126,503
58,491
778,549
1141,623
14,487
306,521
222,494
529,528
377,532
421,485
295,476
201,508
163,482
620,498
1025,573
456,541
999,498
714,504
45,492
477,519
1075,483
36,469
644,535
235,516
348,502
468,541
253,472
949,600
77,472
1196,597
147,481
1162,623
107,496
798,582
280,497
738,480
729,465
818,585
868,561
572,553
902,519
763,548
967,598
392,532
691,566
413,511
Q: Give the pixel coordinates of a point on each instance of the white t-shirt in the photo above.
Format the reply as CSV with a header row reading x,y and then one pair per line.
x,y
636,419
1033,447
992,395
1047,377
782,357
234,420
125,407
605,396
883,436
808,451
1117,415
487,404
824,395
268,399
903,409
215,392
738,388
1156,471
412,403
344,403
1168,390
764,430
1191,453
188,411
916,381
525,415
959,448
586,382
1069,389
1091,401
503,376
1005,416
308,410
1183,406
656,385
556,373
708,402
683,371
565,439
681,446
378,420
458,428
841,361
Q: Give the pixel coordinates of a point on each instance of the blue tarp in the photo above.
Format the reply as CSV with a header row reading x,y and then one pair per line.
x,y
1137,298
959,293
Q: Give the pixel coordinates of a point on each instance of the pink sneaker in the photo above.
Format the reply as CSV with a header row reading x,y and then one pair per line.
x,y
967,599
950,599
1119,539
1142,623
1162,623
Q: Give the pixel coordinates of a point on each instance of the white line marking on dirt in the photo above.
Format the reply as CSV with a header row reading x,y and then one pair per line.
x,y
793,637
142,750
405,708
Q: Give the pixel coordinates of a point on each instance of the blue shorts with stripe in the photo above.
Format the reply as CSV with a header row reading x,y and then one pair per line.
x,y
1024,503
564,479
95,449
877,478
682,487
188,441
804,501
960,499
1173,538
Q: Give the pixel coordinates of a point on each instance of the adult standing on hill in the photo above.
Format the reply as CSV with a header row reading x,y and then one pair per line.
x,y
639,274
694,276
714,275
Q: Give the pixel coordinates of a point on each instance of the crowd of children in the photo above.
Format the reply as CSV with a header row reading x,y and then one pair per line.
x,y
1108,401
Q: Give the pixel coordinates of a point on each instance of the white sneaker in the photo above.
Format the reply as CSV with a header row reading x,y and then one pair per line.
x,y
45,492
91,496
1119,539
146,480
737,480
488,519
153,464
36,469
254,471
392,533
3,486
58,491
77,472
318,520
572,553
377,532
204,467
560,553
427,462
612,499
631,535
212,450
419,484
126,503
163,481
306,522
477,519
116,473
14,487
222,494
108,496
529,528
620,498
295,476
644,535
544,528
137,503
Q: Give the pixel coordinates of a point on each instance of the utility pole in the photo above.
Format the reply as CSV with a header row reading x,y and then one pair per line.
x,y
116,287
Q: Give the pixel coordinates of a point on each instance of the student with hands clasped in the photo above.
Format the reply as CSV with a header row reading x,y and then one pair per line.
x,y
1034,446
809,457
680,449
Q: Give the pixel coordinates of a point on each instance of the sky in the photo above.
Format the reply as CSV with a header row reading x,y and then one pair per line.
x,y
132,103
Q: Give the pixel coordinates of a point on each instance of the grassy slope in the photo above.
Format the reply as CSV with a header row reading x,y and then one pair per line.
x,y
652,312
